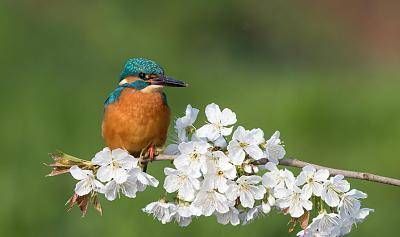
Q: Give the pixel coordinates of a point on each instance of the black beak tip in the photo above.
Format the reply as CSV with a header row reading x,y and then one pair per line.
x,y
168,81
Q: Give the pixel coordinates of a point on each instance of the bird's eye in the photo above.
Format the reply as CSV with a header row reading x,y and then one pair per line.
x,y
142,76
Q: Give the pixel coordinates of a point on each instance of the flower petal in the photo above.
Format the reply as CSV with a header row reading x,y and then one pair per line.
x,y
83,187
246,199
186,192
258,192
296,210
255,152
213,113
331,198
105,173
78,173
239,134
181,162
228,117
255,136
209,131
102,157
120,175
111,190
171,183
171,149
129,188
321,175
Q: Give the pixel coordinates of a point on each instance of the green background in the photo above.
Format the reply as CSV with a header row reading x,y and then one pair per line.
x,y
278,65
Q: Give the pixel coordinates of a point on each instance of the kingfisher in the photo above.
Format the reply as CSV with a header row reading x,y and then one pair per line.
x,y
136,114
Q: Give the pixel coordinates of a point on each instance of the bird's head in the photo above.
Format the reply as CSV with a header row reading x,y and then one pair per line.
x,y
149,72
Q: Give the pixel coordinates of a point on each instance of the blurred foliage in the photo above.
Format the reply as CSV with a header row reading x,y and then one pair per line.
x,y
277,64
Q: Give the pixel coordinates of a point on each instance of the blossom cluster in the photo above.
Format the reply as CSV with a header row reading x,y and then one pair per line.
x,y
116,171
223,171
217,171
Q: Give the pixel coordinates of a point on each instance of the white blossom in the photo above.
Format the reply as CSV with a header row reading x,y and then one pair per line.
x,y
246,142
183,213
185,122
274,150
333,189
350,204
358,217
251,214
294,200
324,225
192,157
219,122
211,160
137,181
114,164
172,149
181,220
248,190
278,178
87,181
161,210
219,172
186,183
312,179
266,205
217,175
143,179
128,188
182,125
250,168
232,216
209,201
220,142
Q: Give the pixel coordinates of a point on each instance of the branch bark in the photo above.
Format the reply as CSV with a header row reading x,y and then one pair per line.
x,y
300,164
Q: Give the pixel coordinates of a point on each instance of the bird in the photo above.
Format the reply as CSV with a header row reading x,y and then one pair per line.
x,y
136,114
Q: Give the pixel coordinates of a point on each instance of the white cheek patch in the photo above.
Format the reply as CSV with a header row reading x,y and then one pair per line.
x,y
152,88
123,82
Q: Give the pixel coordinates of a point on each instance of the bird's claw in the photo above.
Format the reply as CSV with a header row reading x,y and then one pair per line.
x,y
152,152
148,156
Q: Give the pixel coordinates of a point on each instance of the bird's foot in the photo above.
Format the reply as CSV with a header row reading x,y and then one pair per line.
x,y
152,152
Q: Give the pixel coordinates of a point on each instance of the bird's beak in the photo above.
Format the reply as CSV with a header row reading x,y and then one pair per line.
x,y
162,80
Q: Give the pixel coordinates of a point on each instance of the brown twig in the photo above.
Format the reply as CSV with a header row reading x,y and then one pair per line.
x,y
301,164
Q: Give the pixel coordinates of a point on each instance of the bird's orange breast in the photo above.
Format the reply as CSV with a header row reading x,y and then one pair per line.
x,y
136,120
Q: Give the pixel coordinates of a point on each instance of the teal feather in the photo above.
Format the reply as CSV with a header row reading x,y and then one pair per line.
x,y
114,96
134,66
137,85
164,98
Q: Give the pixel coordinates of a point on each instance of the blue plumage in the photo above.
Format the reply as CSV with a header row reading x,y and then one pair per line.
x,y
137,85
134,66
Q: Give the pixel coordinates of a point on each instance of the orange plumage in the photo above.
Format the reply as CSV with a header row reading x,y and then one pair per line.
x,y
136,121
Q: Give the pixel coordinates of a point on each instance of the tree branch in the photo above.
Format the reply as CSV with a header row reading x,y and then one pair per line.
x,y
300,164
